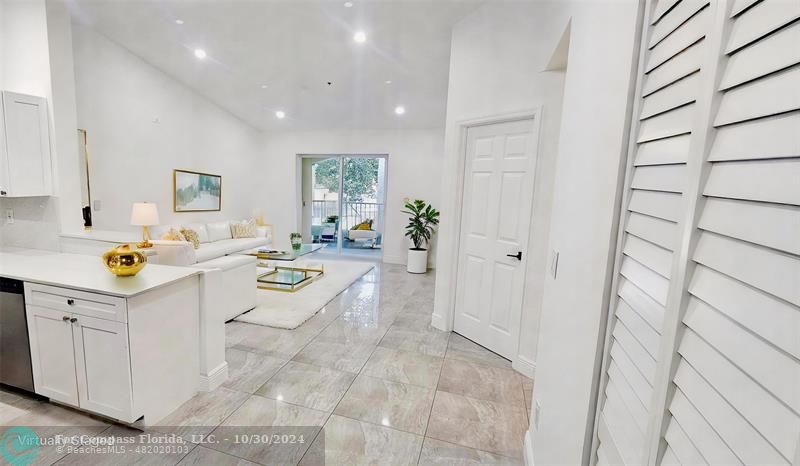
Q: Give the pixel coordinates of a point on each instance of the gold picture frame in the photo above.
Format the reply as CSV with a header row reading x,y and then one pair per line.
x,y
196,191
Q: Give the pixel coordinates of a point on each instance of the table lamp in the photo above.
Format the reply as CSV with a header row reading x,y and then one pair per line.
x,y
144,214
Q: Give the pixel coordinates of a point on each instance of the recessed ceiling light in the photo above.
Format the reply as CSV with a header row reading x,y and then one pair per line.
x,y
280,114
263,86
200,53
360,37
178,21
399,110
388,81
348,4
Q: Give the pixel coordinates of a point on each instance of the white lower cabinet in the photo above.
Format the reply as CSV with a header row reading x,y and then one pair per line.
x,y
82,361
52,354
133,358
103,367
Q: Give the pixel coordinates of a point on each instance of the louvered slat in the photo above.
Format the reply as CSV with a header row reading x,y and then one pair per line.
x,y
645,279
677,94
682,12
644,305
662,205
679,66
763,57
776,93
652,256
765,412
738,434
652,229
760,20
687,34
744,220
776,320
663,151
683,447
766,138
697,427
642,331
762,180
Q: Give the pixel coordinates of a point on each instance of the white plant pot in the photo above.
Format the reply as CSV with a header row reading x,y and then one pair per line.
x,y
417,261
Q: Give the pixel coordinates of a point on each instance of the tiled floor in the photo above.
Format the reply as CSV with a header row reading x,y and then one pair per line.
x,y
369,377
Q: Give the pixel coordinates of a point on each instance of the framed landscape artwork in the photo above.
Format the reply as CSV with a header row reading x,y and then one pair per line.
x,y
196,192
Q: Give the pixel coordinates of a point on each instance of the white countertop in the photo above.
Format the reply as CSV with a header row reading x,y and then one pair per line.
x,y
86,273
105,235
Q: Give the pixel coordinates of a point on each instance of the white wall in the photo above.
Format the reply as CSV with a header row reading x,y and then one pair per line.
x,y
498,54
142,124
496,67
592,145
414,171
36,60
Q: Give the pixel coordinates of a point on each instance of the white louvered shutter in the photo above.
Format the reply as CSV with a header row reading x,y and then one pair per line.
x,y
702,361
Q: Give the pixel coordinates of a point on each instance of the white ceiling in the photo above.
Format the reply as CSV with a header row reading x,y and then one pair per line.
x,y
295,48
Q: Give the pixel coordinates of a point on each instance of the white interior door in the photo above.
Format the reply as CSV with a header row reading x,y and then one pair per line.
x,y
496,218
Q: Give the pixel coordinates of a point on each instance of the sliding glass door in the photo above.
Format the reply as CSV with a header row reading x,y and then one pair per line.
x,y
343,203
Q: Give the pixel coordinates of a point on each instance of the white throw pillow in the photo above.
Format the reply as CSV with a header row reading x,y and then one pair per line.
x,y
200,229
219,231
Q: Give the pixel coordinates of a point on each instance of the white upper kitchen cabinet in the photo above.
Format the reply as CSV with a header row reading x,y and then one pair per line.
x,y
25,168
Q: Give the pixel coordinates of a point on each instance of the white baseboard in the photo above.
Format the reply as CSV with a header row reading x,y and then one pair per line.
x,y
524,366
438,322
216,378
528,448
400,260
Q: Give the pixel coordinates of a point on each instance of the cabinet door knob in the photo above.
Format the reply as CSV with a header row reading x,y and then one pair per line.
x,y
71,302
65,318
73,320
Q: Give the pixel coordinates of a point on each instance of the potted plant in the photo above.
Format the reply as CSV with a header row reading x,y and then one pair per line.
x,y
420,229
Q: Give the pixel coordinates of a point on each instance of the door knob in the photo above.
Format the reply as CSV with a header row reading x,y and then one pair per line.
x,y
71,302
73,320
518,255
65,318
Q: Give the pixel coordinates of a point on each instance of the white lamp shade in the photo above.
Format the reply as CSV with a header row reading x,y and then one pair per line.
x,y
144,214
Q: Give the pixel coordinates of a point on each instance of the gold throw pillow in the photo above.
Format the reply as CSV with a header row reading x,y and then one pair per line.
x,y
245,229
173,235
191,236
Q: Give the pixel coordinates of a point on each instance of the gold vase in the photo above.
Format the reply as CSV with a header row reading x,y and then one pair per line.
x,y
124,261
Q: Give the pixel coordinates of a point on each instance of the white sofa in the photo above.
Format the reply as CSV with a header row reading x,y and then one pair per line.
x,y
216,241
218,250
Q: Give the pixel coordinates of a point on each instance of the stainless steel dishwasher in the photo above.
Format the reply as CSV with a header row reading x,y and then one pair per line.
x,y
15,351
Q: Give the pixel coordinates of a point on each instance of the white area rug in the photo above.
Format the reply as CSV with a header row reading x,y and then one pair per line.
x,y
289,310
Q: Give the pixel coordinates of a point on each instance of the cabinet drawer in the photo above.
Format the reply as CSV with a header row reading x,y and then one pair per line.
x,y
76,302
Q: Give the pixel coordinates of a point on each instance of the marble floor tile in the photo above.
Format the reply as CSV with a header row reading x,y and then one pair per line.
x,y
343,331
466,350
161,454
432,342
308,385
391,404
482,425
202,413
345,441
269,419
343,357
485,382
202,456
276,342
49,420
413,321
438,453
248,371
404,366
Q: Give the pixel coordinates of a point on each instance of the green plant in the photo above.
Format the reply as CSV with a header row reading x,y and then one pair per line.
x,y
332,219
422,223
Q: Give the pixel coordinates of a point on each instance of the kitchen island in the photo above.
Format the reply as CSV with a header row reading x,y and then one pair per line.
x,y
122,347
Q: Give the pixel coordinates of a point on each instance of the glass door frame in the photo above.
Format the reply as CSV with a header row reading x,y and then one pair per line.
x,y
340,204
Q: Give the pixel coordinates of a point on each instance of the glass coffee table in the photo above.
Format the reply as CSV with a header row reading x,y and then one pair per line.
x,y
277,255
288,278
